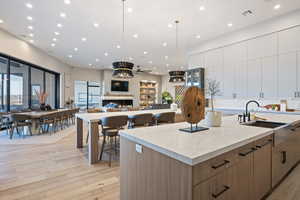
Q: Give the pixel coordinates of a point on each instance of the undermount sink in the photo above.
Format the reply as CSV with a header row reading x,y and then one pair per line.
x,y
264,124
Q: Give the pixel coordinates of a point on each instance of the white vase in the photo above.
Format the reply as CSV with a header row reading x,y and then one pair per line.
x,y
213,119
174,107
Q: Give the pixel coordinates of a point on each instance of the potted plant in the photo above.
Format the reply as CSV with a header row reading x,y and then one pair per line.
x,y
213,118
167,98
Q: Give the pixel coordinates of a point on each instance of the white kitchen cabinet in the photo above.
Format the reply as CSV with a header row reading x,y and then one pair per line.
x,y
269,77
229,82
196,61
254,78
241,80
298,73
289,40
287,75
214,65
262,47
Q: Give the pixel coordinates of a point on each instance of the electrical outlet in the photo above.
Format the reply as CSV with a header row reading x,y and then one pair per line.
x,y
139,148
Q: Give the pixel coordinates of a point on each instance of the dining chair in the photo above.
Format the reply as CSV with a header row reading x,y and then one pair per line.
x,y
19,120
110,129
164,118
140,120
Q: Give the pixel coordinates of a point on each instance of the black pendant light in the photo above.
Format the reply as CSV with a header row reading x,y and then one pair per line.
x,y
123,69
177,76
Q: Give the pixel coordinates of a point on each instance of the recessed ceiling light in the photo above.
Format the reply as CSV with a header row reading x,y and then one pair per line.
x,y
130,58
96,25
63,15
167,65
166,57
31,41
170,25
29,5
54,39
202,8
145,52
70,56
29,18
1,21
67,2
106,54
56,33
118,46
31,34
229,24
97,60
90,65
276,7
198,36
30,27
83,39
181,67
136,35
75,49
150,62
59,25
53,44
130,10
165,44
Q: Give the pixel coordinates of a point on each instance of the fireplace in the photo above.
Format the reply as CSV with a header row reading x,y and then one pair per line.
x,y
120,102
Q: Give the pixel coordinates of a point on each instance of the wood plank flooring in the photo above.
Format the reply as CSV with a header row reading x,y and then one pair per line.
x,y
61,171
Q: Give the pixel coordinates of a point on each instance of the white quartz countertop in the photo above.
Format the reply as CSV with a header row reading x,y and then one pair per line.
x,y
194,148
92,117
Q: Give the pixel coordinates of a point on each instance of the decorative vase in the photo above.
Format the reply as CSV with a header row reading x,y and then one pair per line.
x,y
43,107
213,118
174,106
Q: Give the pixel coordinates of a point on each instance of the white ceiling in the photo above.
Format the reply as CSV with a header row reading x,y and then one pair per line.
x,y
149,19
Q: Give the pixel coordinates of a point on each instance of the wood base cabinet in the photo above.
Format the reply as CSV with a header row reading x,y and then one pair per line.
x,y
241,174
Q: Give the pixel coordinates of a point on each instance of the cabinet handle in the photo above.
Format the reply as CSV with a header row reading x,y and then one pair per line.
x,y
221,192
248,152
220,165
262,145
283,161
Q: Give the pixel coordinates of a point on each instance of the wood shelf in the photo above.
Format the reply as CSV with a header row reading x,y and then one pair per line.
x,y
148,92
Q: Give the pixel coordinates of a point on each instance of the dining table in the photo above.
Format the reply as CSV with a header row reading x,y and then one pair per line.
x,y
36,116
93,119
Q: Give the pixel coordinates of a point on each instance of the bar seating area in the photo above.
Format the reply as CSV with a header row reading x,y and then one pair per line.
x,y
111,125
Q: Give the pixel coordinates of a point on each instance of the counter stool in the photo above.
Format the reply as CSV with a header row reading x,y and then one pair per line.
x,y
164,118
110,129
140,120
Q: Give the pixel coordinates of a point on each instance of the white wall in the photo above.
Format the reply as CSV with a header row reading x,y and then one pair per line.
x,y
134,85
260,62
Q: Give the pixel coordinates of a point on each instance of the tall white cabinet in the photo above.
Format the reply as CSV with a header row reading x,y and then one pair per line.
x,y
266,67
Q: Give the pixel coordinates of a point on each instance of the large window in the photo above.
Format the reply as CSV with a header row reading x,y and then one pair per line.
x,y
87,94
18,86
20,82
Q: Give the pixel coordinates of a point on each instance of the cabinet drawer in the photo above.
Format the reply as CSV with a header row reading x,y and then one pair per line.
x,y
245,151
213,166
220,186
264,141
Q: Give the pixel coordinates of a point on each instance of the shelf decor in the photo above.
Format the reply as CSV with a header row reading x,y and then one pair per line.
x,y
177,76
147,93
193,109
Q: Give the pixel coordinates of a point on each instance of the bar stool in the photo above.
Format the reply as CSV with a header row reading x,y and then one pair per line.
x,y
140,120
110,128
19,120
164,118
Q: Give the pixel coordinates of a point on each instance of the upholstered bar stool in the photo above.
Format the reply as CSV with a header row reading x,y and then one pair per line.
x,y
164,118
110,130
140,120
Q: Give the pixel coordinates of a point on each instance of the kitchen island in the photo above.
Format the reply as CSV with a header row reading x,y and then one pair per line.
x,y
229,162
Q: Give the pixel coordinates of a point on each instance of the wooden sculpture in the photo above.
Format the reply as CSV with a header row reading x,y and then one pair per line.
x,y
193,108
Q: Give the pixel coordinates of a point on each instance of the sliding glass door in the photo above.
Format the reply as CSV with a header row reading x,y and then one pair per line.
x,y
21,81
3,84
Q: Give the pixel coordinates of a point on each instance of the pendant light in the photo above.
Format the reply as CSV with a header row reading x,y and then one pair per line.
x,y
123,69
177,76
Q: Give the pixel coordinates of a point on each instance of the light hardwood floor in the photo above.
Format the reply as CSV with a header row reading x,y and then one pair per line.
x,y
60,171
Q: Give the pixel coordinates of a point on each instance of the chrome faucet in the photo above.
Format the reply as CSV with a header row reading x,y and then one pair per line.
x,y
247,114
